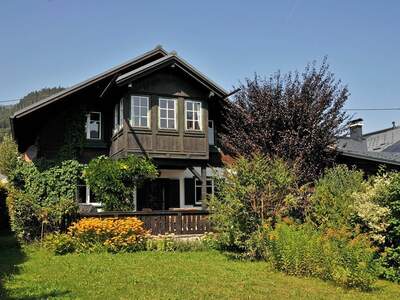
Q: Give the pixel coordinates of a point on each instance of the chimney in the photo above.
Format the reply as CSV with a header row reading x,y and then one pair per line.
x,y
355,127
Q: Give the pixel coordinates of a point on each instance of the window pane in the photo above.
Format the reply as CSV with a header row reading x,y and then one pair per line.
x,y
143,121
136,111
81,194
171,104
94,117
189,125
143,102
198,193
196,125
170,114
197,106
189,105
143,112
190,115
163,104
136,121
136,101
163,123
163,113
196,116
171,124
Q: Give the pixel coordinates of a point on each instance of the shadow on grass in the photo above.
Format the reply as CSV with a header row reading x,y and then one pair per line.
x,y
11,257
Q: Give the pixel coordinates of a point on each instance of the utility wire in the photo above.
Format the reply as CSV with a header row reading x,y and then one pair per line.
x,y
7,101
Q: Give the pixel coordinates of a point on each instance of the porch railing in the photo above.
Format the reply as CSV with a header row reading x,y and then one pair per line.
x,y
163,222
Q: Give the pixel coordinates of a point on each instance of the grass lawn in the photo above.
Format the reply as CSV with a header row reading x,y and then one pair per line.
x,y
33,273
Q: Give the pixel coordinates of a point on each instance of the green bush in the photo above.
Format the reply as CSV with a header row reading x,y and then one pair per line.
x,y
169,243
42,201
251,192
4,218
113,182
60,243
9,155
331,205
303,251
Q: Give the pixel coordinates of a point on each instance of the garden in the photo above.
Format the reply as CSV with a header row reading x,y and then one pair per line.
x,y
287,221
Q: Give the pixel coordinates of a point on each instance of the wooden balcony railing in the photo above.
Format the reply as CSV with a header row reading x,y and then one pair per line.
x,y
164,222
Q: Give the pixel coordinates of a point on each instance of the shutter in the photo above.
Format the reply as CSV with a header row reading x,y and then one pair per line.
x,y
190,191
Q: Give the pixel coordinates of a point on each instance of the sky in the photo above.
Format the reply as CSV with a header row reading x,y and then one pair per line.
x,y
46,43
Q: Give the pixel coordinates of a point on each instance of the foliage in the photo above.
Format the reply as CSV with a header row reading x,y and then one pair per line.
x,y
331,204
169,243
42,200
9,155
296,116
303,251
59,243
7,111
4,218
112,234
251,192
113,182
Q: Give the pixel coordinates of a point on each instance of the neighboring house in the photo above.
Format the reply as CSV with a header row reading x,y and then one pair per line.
x,y
156,105
370,151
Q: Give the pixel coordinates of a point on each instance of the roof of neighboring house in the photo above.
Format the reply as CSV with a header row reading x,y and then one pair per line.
x,y
379,157
179,63
90,81
383,139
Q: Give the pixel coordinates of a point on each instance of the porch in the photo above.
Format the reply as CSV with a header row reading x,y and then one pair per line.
x,y
177,222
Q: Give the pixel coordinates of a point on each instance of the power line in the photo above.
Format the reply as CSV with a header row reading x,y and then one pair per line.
x,y
358,109
7,101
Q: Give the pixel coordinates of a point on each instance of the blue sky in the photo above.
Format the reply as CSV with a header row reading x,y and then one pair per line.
x,y
61,42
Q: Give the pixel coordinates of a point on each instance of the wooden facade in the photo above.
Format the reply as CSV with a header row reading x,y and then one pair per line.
x,y
181,154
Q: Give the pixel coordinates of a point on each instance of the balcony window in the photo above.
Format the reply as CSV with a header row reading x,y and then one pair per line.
x,y
167,113
140,112
193,115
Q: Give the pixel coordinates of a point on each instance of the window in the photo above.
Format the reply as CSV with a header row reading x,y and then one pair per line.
x,y
167,113
209,189
140,113
85,196
193,115
118,116
93,126
211,139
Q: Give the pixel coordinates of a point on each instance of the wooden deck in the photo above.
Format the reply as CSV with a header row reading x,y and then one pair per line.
x,y
164,222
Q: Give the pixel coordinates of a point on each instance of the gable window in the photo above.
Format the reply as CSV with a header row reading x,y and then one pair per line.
x,y
209,188
167,113
193,115
93,126
140,113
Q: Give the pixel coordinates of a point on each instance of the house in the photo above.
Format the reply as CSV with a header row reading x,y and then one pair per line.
x,y
370,151
157,105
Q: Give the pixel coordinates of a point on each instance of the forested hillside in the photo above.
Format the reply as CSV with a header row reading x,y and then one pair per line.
x,y
8,110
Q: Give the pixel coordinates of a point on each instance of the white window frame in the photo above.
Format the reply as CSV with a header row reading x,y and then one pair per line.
x,y
88,123
175,113
116,118
87,196
200,115
197,184
132,116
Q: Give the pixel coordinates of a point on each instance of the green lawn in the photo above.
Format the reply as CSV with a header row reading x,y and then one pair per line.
x,y
32,273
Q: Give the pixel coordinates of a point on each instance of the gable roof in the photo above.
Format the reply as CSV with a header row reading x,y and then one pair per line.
x,y
379,157
111,72
173,59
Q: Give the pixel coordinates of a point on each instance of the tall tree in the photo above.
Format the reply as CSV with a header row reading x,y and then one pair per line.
x,y
296,116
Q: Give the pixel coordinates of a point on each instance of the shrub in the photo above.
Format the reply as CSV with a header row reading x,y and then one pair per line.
x,y
4,218
303,251
113,182
332,203
169,243
111,234
60,243
250,193
9,155
42,200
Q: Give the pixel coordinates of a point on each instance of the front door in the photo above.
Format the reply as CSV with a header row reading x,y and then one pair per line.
x,y
158,194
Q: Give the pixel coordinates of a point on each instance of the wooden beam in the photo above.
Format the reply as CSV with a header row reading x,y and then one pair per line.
x,y
195,173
